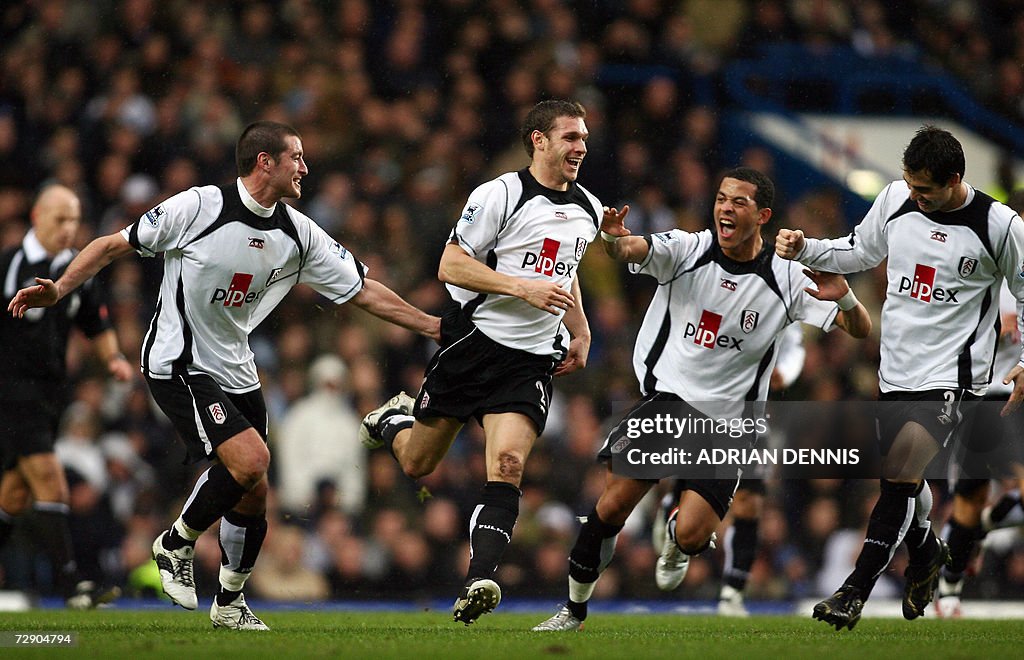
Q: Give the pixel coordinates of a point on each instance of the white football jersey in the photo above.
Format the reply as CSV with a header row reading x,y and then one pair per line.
x,y
227,263
712,330
944,273
518,227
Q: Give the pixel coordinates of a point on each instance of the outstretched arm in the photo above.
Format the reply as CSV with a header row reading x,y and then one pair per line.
x,y
384,303
854,319
462,270
94,258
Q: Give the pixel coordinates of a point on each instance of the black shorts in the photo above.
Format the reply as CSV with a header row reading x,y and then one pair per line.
x,y
940,412
717,492
26,428
472,375
204,415
992,445
753,485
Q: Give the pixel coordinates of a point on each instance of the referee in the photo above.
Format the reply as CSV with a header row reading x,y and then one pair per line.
x,y
33,353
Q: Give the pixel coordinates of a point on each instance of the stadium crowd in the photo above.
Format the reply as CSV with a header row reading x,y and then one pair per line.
x,y
403,108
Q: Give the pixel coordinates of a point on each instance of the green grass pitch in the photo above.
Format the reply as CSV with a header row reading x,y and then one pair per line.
x,y
134,635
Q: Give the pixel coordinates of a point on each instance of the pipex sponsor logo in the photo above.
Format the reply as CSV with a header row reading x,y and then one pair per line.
x,y
922,286
705,333
546,261
237,292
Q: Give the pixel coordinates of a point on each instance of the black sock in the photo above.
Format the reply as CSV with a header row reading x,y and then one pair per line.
x,y
1003,507
491,528
392,429
590,555
740,551
173,540
592,551
920,539
53,537
240,539
961,540
225,597
214,494
883,535
6,527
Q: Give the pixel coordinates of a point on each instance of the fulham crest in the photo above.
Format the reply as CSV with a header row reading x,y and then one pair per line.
x,y
749,321
967,266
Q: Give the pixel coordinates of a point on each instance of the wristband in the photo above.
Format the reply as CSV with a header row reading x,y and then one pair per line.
x,y
848,301
608,238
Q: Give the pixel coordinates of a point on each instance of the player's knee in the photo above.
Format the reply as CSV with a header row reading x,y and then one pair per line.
x,y
15,502
692,539
251,469
418,467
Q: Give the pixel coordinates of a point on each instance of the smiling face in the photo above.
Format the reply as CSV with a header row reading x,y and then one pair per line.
x,y
287,169
558,154
934,196
738,219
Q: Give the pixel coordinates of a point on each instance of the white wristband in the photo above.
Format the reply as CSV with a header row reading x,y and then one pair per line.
x,y
605,236
848,301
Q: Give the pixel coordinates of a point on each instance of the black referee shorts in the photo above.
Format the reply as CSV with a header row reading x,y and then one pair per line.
x,y
204,415
472,375
26,428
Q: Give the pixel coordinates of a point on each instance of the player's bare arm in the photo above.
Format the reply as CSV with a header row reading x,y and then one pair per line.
x,y
619,243
384,303
789,243
1016,376
110,354
94,258
831,286
579,346
462,270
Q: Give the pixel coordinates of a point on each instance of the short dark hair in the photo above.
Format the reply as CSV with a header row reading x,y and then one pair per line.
x,y
765,195
259,136
542,118
936,152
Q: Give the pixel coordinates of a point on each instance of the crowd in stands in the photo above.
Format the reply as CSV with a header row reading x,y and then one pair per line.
x,y
404,107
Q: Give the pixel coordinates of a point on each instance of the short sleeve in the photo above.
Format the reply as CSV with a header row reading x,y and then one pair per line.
x,y
667,253
477,229
161,228
330,269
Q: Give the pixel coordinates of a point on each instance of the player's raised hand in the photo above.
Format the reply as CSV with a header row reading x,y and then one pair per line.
x,y
789,243
831,286
43,294
547,296
613,221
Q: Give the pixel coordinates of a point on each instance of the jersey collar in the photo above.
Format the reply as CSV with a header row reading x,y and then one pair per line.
x,y
251,203
35,252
